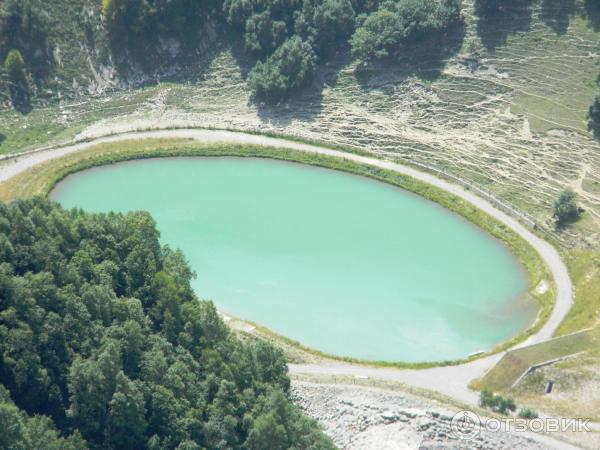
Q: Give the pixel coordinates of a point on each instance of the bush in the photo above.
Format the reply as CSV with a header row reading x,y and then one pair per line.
x,y
292,66
506,404
527,413
565,208
396,24
496,402
14,65
486,399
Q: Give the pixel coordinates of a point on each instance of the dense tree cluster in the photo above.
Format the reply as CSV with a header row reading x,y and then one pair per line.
x,y
284,40
288,69
396,24
287,38
103,344
24,27
138,23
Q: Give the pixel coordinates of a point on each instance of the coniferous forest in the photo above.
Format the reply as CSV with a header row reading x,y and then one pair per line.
x,y
103,344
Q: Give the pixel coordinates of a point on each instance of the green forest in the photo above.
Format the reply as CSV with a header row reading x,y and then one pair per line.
x,y
104,345
288,38
284,40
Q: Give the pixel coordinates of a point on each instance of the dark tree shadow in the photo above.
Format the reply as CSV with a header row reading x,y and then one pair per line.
x,y
183,58
425,60
555,14
20,98
244,60
565,222
2,138
495,24
592,10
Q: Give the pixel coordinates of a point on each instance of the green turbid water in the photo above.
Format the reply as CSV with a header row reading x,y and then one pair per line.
x,y
340,263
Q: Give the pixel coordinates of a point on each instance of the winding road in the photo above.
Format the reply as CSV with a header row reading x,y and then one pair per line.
x,y
451,380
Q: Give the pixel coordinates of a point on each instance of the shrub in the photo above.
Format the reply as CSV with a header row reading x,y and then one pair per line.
x,y
527,413
14,65
486,399
505,404
565,208
495,402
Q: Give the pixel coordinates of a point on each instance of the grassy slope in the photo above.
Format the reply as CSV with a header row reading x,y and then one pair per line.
x,y
584,266
516,362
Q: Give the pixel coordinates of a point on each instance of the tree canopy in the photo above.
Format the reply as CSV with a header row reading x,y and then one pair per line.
x,y
24,27
291,67
565,207
286,34
396,24
104,345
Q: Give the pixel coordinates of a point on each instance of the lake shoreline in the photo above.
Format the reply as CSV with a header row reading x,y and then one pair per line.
x,y
107,153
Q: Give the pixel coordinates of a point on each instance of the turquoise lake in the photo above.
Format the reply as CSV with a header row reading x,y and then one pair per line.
x,y
340,263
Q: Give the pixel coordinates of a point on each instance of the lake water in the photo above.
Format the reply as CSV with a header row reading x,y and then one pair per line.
x,y
340,263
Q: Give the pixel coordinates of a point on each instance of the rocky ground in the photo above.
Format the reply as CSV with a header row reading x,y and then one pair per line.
x,y
368,418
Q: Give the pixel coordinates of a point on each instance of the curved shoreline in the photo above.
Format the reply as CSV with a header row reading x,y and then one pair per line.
x,y
548,254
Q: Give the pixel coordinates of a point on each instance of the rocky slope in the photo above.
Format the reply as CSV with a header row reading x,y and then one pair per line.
x,y
367,418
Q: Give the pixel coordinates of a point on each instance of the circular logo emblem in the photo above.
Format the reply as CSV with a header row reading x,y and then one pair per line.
x,y
465,425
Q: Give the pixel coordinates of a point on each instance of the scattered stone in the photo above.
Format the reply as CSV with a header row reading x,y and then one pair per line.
x,y
362,418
